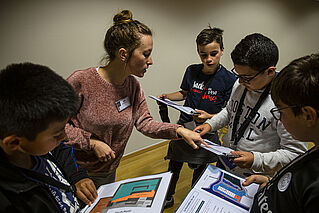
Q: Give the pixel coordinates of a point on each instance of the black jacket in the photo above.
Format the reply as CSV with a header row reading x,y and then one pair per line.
x,y
19,193
295,188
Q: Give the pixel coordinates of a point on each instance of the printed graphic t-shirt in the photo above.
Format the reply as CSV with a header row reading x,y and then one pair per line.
x,y
66,200
206,92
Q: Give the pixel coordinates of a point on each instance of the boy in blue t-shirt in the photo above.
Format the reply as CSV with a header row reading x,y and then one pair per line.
x,y
206,87
37,171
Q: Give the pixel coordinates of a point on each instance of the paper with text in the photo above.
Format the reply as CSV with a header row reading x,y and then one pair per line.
x,y
218,191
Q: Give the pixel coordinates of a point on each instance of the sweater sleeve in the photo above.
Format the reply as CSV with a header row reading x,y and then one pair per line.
x,y
272,161
77,137
145,123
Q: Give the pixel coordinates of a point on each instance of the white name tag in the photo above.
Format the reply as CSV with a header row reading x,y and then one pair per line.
x,y
123,104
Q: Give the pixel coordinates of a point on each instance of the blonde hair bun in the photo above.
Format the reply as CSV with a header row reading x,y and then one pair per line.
x,y
125,16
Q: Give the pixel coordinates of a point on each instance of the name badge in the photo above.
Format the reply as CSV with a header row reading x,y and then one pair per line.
x,y
123,104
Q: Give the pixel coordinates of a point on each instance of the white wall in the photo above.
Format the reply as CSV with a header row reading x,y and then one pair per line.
x,y
68,35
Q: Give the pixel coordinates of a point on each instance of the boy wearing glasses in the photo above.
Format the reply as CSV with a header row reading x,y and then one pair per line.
x,y
295,188
261,143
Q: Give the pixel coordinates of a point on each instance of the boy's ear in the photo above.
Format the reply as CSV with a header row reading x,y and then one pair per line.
x,y
222,52
271,71
11,142
123,55
310,115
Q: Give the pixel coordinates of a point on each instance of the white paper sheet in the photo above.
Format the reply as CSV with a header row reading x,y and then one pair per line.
x,y
142,194
217,149
185,109
218,191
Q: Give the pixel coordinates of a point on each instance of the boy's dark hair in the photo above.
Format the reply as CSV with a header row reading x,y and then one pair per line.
x,y
298,83
31,97
256,51
209,35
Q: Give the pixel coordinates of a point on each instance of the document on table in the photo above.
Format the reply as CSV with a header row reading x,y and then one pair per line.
x,y
137,195
185,109
218,191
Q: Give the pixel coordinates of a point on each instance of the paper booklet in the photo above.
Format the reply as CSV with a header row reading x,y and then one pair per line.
x,y
218,191
185,109
142,194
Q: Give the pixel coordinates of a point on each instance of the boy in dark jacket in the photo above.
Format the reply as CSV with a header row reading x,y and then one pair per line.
x,y
37,172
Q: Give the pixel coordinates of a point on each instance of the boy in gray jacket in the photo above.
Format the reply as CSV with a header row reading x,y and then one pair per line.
x,y
261,143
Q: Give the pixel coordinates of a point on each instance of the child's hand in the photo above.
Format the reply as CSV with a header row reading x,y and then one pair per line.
x,y
86,191
259,179
163,96
245,159
203,129
202,116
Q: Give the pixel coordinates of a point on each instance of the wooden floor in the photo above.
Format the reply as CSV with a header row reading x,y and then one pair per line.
x,y
151,161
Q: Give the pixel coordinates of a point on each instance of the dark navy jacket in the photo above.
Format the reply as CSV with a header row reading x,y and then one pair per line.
x,y
20,193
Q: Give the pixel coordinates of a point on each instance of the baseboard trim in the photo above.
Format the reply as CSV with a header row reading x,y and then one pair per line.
x,y
146,149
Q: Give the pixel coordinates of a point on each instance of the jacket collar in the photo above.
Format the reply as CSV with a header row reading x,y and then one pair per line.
x,y
12,178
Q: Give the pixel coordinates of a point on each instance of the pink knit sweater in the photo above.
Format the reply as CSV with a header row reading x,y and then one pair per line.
x,y
99,118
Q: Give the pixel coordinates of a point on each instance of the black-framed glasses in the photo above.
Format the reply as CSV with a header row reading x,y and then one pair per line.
x,y
246,79
276,113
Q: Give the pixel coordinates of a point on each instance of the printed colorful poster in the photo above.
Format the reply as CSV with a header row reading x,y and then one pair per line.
x,y
219,191
142,194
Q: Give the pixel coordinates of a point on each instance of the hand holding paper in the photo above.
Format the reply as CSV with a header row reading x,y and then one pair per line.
x,y
192,138
259,179
244,159
202,116
85,191
203,129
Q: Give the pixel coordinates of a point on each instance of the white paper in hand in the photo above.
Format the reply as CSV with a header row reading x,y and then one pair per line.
x,y
216,148
185,109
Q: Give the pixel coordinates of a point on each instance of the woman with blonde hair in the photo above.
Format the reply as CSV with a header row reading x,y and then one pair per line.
x,y
113,102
